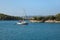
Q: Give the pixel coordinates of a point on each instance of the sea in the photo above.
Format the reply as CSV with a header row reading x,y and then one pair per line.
x,y
10,30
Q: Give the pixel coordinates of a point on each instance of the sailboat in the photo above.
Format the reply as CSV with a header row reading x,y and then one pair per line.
x,y
23,22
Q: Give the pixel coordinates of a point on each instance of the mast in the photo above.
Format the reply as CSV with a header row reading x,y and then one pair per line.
x,y
24,14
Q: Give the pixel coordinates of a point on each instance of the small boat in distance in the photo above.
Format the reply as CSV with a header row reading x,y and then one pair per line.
x,y
23,22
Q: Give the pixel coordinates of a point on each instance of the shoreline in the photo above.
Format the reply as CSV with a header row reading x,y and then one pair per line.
x,y
47,21
38,21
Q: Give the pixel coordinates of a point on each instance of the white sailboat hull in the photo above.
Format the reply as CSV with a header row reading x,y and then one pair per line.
x,y
23,23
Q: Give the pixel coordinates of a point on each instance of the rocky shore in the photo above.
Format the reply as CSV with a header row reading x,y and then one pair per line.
x,y
35,21
47,21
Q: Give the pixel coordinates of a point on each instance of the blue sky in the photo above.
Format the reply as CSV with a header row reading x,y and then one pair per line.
x,y
31,7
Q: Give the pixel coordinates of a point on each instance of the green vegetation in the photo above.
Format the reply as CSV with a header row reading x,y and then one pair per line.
x,y
8,17
38,18
44,18
58,17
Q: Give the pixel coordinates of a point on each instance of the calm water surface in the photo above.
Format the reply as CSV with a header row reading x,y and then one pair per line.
x,y
9,30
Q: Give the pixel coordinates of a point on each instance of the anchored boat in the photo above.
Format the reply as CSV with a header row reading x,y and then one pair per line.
x,y
23,22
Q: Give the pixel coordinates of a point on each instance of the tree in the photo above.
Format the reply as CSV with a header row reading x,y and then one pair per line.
x,y
58,17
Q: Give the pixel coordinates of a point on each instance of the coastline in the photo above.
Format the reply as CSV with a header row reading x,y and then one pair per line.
x,y
35,21
47,21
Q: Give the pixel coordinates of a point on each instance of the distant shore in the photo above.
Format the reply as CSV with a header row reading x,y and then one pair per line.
x,y
50,18
8,17
47,21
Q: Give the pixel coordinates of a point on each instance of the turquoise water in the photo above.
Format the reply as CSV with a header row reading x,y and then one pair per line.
x,y
9,30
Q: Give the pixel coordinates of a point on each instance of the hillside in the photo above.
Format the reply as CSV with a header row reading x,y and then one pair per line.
x,y
8,17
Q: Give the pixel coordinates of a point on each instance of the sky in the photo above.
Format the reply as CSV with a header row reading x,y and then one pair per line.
x,y
31,7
